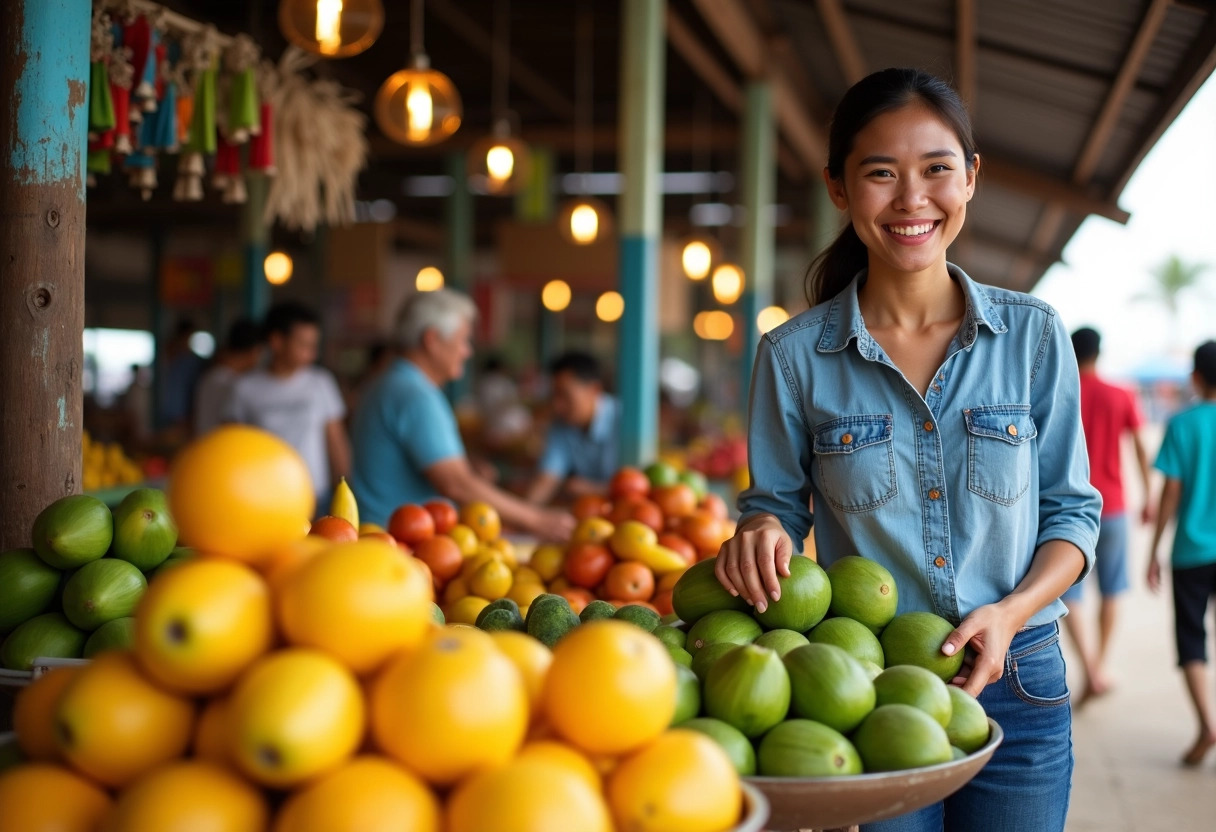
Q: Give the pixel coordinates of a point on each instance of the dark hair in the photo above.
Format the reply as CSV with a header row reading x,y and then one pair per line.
x,y
243,335
1085,343
284,317
1205,362
869,98
583,366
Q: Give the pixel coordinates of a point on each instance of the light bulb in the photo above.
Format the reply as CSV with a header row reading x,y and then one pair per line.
x,y
771,316
277,267
500,162
584,224
419,110
713,325
610,306
556,295
728,283
696,260
329,26
429,279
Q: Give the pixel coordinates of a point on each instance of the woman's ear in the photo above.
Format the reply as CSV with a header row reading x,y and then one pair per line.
x,y
836,190
972,173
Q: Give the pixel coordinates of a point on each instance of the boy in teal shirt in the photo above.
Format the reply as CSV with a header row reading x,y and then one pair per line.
x,y
1188,460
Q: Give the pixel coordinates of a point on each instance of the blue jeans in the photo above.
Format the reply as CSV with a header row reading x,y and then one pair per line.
x,y
1026,785
1110,562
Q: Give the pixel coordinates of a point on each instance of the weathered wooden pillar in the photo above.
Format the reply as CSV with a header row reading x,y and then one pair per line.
x,y
44,70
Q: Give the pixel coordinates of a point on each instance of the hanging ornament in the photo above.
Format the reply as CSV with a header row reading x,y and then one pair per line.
x,y
243,117
122,74
261,146
200,53
101,104
137,37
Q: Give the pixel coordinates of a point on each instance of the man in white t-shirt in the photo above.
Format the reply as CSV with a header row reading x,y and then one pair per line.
x,y
239,355
295,399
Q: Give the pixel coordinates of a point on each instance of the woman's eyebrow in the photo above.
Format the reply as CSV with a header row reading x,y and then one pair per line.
x,y
890,160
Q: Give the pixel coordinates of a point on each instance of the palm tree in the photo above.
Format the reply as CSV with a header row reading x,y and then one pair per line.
x,y
1170,279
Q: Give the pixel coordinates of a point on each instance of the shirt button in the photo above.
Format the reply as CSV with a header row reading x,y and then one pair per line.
x,y
847,439
937,387
928,426
1012,430
939,562
934,494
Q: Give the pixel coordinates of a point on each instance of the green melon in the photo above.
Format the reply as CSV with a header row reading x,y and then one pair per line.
x,y
698,593
803,748
738,747
853,637
178,556
898,737
749,689
863,590
783,641
688,695
708,656
680,656
27,587
144,531
908,684
917,638
72,531
670,636
805,597
102,591
968,727
49,635
829,686
722,626
118,634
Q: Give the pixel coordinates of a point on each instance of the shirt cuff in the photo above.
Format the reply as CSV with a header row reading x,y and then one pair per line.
x,y
1080,536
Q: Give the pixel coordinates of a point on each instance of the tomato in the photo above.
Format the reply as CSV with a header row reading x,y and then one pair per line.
x,y
715,505
442,555
590,505
333,528
679,545
622,509
629,581
587,564
648,513
704,532
411,524
675,500
444,515
629,482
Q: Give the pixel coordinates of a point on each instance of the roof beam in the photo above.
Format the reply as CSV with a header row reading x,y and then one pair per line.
x,y
1030,182
844,44
964,51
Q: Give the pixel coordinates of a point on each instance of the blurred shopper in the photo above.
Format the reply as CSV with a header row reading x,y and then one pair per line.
x,y
239,355
407,448
1108,413
1188,460
295,399
582,447
181,368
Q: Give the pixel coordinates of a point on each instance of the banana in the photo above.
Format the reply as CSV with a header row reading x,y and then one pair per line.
x,y
659,559
343,504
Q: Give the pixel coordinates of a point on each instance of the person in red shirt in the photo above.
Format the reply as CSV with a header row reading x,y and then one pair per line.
x,y
1108,413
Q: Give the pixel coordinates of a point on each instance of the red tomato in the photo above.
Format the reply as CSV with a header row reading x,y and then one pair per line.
x,y
444,515
411,524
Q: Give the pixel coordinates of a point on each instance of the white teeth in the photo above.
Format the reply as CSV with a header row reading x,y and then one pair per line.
x,y
910,230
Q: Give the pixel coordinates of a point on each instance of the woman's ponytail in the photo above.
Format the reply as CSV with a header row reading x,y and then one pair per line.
x,y
835,266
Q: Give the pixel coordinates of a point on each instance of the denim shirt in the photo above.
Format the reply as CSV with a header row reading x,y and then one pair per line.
x,y
953,492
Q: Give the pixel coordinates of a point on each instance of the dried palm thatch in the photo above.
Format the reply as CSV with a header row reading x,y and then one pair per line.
x,y
319,145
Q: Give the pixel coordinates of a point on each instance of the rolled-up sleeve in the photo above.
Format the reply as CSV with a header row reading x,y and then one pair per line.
x,y
778,447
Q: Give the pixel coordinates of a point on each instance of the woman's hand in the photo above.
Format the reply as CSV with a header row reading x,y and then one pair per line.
x,y
988,630
748,564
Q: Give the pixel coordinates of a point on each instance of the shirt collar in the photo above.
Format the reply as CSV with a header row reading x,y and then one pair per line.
x,y
845,323
603,423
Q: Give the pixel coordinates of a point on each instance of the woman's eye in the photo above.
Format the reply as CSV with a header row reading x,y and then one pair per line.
x,y
881,172
938,168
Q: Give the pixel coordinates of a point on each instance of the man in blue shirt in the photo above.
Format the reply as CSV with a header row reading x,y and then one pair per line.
x,y
407,447
581,449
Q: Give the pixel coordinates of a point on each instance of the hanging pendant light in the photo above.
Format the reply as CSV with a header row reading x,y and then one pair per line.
x,y
584,219
418,106
727,283
331,28
500,163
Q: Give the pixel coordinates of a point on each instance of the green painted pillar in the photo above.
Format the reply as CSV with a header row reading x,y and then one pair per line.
x,y
458,214
255,236
643,52
759,181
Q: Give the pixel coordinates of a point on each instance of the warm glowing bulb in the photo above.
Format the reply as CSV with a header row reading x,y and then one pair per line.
x,y
696,260
771,316
500,162
610,306
277,267
429,279
728,283
584,225
419,111
713,325
556,295
329,24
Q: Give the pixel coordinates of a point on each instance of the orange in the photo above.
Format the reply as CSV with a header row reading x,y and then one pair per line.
x,y
491,581
189,795
370,528
705,532
411,524
611,688
534,794
559,585
565,756
531,659
285,559
34,714
367,794
464,610
526,591
337,529
465,538
628,482
577,597
668,581
629,581
483,519
40,797
451,706
662,602
360,602
202,623
547,560
211,733
675,500
442,555
456,589
507,549
239,491
113,725
480,558
295,714
592,530
682,782
526,574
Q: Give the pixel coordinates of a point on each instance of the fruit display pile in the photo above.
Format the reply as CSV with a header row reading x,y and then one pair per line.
x,y
291,683
104,465
72,593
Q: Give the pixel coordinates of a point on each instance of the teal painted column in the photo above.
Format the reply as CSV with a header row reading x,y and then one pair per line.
x,y
44,72
255,235
643,51
758,170
458,213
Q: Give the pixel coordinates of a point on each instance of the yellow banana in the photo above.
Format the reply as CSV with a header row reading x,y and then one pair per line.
x,y
659,559
343,504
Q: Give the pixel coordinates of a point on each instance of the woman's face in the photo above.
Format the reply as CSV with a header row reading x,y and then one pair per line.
x,y
905,187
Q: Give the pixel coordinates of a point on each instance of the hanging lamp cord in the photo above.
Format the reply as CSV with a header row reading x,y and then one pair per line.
x,y
502,57
584,101
416,28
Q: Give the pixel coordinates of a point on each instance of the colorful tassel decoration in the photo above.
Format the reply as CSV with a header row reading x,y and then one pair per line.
x,y
261,146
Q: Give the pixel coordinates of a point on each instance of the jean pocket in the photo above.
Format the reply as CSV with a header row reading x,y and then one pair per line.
x,y
856,461
1037,674
999,451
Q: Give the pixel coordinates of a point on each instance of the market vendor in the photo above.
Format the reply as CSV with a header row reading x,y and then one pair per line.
x,y
407,447
936,423
581,448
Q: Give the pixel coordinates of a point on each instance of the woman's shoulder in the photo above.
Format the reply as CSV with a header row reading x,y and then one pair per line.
x,y
806,324
1013,303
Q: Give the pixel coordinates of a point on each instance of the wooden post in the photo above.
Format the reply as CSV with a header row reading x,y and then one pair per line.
x,y
44,72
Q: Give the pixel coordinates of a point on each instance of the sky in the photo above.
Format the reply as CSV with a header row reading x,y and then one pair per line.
x,y
1172,200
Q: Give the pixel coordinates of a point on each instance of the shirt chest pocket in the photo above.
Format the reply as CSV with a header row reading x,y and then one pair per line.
x,y
999,451
855,462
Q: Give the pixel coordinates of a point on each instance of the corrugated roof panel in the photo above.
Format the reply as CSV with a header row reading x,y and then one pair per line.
x,y
998,212
888,44
1083,33
938,14
1128,132
1173,40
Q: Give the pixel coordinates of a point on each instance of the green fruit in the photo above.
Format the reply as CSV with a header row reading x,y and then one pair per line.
x,y
698,593
499,605
708,657
802,748
805,597
118,634
179,555
73,531
907,684
500,619
144,531
829,686
737,747
917,638
783,641
853,637
688,695
549,619
437,614
872,670
643,617
596,610
749,689
680,656
863,590
697,482
670,635
672,620
27,587
722,626
898,737
958,753
968,727
102,591
48,635
662,475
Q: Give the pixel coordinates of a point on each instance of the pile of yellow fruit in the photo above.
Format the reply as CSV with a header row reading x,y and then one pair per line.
x,y
105,465
284,684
